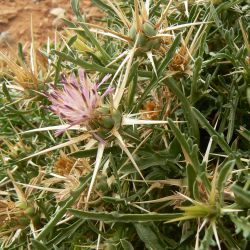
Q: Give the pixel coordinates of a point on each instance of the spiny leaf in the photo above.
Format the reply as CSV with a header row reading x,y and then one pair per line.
x,y
126,218
242,196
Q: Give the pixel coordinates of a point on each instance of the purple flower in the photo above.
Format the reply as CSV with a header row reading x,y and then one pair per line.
x,y
77,101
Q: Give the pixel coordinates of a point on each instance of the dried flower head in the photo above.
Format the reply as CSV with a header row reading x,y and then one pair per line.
x,y
66,165
5,207
152,110
180,60
63,165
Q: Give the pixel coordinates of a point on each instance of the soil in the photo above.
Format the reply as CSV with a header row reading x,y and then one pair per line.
x,y
16,16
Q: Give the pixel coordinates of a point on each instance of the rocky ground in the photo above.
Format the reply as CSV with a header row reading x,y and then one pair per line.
x,y
16,16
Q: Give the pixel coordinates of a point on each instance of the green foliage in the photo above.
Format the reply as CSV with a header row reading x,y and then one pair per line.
x,y
174,171
241,225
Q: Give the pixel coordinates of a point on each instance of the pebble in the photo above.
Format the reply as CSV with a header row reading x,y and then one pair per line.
x,y
58,12
5,37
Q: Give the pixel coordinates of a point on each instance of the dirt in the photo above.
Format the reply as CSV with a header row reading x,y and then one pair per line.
x,y
16,16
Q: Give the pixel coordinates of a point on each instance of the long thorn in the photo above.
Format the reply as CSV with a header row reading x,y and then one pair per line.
x,y
100,151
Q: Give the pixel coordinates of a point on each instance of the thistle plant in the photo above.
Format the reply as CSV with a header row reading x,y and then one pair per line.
x,y
82,106
146,35
140,136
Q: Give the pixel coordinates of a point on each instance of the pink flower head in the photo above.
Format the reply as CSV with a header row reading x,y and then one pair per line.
x,y
77,101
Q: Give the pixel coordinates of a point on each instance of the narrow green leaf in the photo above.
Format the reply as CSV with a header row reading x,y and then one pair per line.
x,y
104,6
76,9
207,240
38,245
6,92
20,52
196,191
223,175
66,233
95,67
84,64
126,218
59,62
92,152
149,237
191,177
205,181
192,123
190,158
219,139
242,224
244,133
195,93
231,117
228,238
95,42
126,245
169,56
242,196
132,86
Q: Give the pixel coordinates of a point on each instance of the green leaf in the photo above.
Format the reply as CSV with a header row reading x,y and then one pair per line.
x,y
126,245
191,177
133,85
59,62
219,139
20,52
126,218
65,233
230,240
231,117
6,92
242,196
76,9
242,224
196,191
207,240
94,67
104,6
95,42
151,239
84,64
205,181
38,245
223,175
190,151
169,55
195,93
192,123
248,95
244,133
93,151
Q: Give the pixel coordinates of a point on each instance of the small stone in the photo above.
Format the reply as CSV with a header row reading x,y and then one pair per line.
x,y
5,37
58,12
